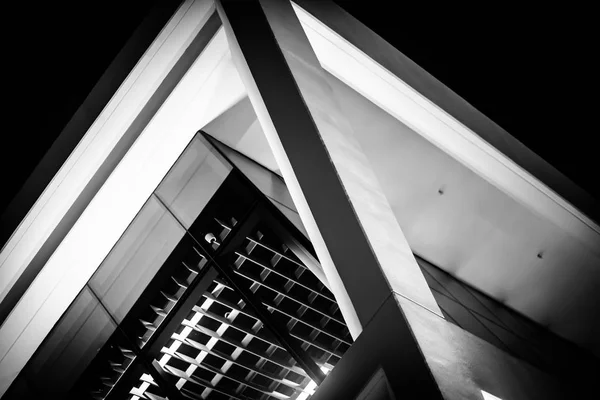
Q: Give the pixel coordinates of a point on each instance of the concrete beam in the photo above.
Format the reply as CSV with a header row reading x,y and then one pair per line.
x,y
361,247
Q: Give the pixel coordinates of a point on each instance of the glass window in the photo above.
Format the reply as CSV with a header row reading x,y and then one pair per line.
x,y
508,318
193,181
516,345
432,282
501,326
468,321
70,347
136,258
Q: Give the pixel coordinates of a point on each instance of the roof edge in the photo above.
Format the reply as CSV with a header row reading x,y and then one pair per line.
x,y
382,52
84,117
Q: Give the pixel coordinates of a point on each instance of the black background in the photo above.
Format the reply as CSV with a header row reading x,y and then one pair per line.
x,y
529,68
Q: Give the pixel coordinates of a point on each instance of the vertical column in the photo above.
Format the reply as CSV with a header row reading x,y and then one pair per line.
x,y
349,220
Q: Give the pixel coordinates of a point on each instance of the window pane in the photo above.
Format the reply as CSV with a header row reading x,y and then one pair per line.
x,y
70,347
468,321
193,181
516,345
136,258
432,282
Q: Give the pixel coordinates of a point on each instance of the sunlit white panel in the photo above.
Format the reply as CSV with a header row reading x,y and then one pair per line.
x,y
100,140
211,86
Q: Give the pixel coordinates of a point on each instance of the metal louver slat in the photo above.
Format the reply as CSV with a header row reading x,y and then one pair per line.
x,y
264,265
232,315
253,368
281,292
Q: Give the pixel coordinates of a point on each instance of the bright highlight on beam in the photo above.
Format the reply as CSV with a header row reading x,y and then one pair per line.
x,y
487,396
310,388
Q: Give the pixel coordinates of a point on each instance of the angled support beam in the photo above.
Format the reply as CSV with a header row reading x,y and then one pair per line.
x,y
348,218
384,350
363,251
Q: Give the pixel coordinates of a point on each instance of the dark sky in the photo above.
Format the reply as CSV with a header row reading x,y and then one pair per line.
x,y
528,69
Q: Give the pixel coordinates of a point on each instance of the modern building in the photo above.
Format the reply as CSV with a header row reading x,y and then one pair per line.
x,y
265,200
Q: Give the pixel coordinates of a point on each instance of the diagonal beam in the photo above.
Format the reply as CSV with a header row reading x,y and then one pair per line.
x,y
363,251
347,215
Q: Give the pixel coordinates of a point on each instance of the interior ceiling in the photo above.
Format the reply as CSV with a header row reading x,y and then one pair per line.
x,y
459,221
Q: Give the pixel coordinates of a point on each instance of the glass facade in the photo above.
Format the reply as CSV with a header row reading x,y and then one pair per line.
x,y
136,258
68,350
203,298
499,325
